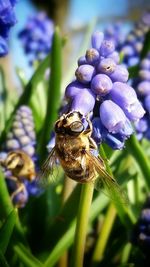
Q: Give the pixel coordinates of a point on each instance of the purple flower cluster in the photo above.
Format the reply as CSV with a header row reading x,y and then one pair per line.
x,y
36,37
21,137
142,86
101,90
7,20
115,33
133,44
141,232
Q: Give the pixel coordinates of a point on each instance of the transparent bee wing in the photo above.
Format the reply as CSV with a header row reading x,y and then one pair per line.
x,y
45,175
106,182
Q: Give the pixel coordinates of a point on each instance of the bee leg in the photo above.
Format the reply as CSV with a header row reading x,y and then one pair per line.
x,y
12,178
20,188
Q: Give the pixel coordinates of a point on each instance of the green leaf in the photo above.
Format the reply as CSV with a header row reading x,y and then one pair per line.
x,y
26,257
53,99
133,146
3,262
21,75
6,231
28,91
146,45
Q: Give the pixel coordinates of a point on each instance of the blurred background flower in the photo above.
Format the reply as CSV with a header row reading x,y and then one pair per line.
x,y
36,37
7,20
21,137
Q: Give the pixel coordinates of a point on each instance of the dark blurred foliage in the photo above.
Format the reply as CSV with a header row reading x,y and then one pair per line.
x,y
56,9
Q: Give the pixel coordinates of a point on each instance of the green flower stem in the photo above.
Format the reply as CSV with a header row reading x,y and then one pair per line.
x,y
126,253
125,214
67,190
82,224
134,147
7,208
104,234
5,202
66,240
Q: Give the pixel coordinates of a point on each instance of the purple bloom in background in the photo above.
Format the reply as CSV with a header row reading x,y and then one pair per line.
x,y
37,36
100,91
133,44
7,20
22,137
115,33
142,87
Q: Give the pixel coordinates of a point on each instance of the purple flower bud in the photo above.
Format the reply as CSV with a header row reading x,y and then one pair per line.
x,y
101,84
24,140
112,116
115,141
83,102
107,48
120,74
144,88
144,75
107,66
73,89
29,149
12,144
147,103
128,50
97,130
21,198
92,56
84,73
82,61
3,47
115,56
141,125
18,132
146,18
97,39
133,61
145,64
125,96
138,46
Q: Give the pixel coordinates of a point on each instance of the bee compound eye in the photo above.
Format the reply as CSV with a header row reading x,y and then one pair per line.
x,y
77,127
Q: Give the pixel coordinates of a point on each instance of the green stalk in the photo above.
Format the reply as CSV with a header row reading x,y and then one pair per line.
x,y
82,224
104,234
134,147
126,253
53,98
67,190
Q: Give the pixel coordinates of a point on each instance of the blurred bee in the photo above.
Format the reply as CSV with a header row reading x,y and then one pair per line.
x,y
74,148
21,167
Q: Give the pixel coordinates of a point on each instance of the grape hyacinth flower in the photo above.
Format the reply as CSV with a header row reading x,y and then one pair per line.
x,y
142,87
21,137
133,44
7,20
141,232
100,91
36,37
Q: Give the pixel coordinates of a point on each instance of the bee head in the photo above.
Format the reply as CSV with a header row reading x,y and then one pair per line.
x,y
13,161
70,123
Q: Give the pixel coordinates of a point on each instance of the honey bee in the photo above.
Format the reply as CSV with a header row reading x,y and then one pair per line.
x,y
74,149
21,167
